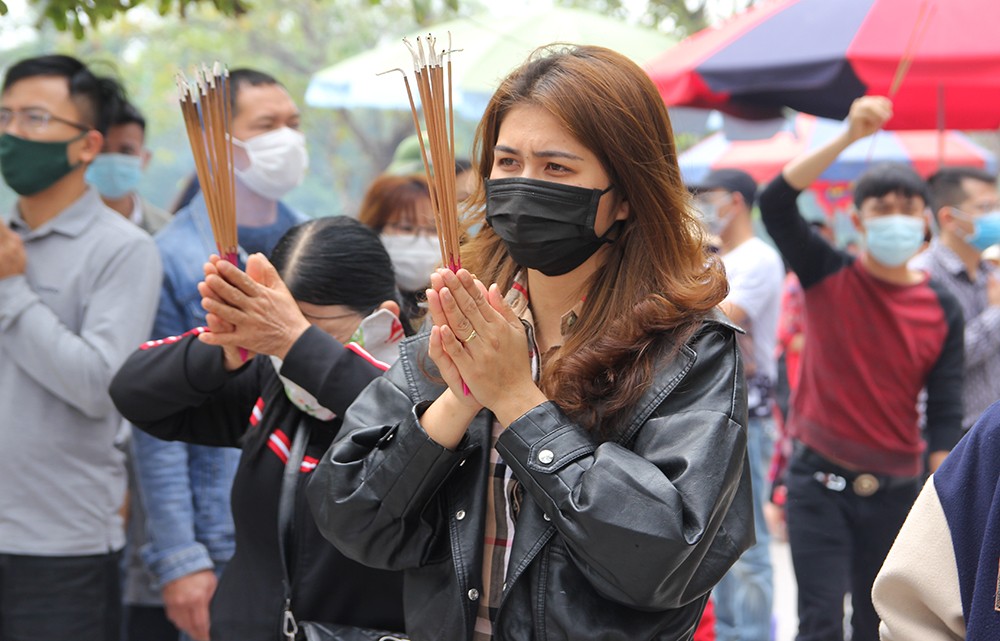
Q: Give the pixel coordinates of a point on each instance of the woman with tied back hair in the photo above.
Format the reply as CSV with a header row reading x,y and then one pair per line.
x,y
318,342
589,480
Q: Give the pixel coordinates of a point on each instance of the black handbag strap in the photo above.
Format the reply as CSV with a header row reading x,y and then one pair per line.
x,y
286,512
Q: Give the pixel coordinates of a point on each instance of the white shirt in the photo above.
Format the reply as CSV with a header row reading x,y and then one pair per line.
x,y
756,275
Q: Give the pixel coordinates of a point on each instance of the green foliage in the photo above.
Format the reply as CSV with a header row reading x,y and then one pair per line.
x,y
680,17
146,42
77,16
291,39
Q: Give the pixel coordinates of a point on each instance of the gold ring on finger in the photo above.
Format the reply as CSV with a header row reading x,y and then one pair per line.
x,y
470,336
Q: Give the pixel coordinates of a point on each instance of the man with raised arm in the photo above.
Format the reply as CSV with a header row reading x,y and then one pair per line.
x,y
879,333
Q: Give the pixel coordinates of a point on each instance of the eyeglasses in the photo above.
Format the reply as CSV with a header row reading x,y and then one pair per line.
x,y
405,229
34,120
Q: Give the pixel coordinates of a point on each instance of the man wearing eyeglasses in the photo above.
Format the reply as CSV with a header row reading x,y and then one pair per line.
x,y
78,289
966,205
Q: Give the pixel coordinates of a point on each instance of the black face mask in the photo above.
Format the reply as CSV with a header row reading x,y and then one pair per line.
x,y
545,225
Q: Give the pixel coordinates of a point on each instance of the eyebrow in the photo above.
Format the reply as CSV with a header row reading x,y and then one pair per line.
x,y
539,154
27,107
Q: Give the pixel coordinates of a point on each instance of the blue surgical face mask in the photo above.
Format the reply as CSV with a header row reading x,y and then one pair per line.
x,y
711,216
985,230
894,239
114,175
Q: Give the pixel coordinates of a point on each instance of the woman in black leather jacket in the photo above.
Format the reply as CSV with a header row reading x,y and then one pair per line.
x,y
563,455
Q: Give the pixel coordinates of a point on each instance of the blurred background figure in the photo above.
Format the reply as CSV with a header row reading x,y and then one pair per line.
x,y
78,287
966,205
879,333
118,169
116,173
725,198
398,208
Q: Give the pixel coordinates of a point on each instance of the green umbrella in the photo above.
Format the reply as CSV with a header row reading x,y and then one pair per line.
x,y
490,47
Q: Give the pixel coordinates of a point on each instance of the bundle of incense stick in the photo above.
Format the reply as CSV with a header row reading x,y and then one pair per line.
x,y
432,75
205,103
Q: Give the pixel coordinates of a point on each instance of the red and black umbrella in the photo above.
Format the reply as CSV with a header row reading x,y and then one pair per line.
x,y
817,56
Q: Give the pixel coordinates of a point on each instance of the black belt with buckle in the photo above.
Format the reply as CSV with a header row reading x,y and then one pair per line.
x,y
837,477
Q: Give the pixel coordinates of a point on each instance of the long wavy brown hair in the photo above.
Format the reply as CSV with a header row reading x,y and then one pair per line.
x,y
658,280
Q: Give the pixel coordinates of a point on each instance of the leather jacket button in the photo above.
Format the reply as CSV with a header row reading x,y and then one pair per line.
x,y
546,456
546,517
460,515
473,594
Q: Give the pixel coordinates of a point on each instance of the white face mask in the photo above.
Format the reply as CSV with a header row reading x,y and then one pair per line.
x,y
378,334
277,162
413,259
299,397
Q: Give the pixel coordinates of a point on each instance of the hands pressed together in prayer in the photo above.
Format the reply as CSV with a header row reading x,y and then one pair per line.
x,y
252,310
476,339
479,340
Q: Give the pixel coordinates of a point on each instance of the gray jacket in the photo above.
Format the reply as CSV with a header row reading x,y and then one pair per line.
x,y
617,540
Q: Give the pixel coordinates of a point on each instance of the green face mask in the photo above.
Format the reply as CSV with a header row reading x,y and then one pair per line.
x,y
30,166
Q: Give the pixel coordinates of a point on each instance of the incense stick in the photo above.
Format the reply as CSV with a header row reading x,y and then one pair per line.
x,y
207,116
439,123
917,34
206,107
435,91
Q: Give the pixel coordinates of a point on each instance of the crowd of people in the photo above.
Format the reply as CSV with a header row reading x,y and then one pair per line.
x,y
578,435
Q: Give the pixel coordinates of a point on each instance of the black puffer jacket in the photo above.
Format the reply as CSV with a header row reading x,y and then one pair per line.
x,y
614,540
179,390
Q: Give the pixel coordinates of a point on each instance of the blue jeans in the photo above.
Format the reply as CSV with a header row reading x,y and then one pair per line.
x,y
745,597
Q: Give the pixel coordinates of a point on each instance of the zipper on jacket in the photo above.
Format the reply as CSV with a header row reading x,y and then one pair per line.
x,y
289,627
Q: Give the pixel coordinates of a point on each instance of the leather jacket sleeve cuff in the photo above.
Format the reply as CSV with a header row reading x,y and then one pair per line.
x,y
545,439
542,442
